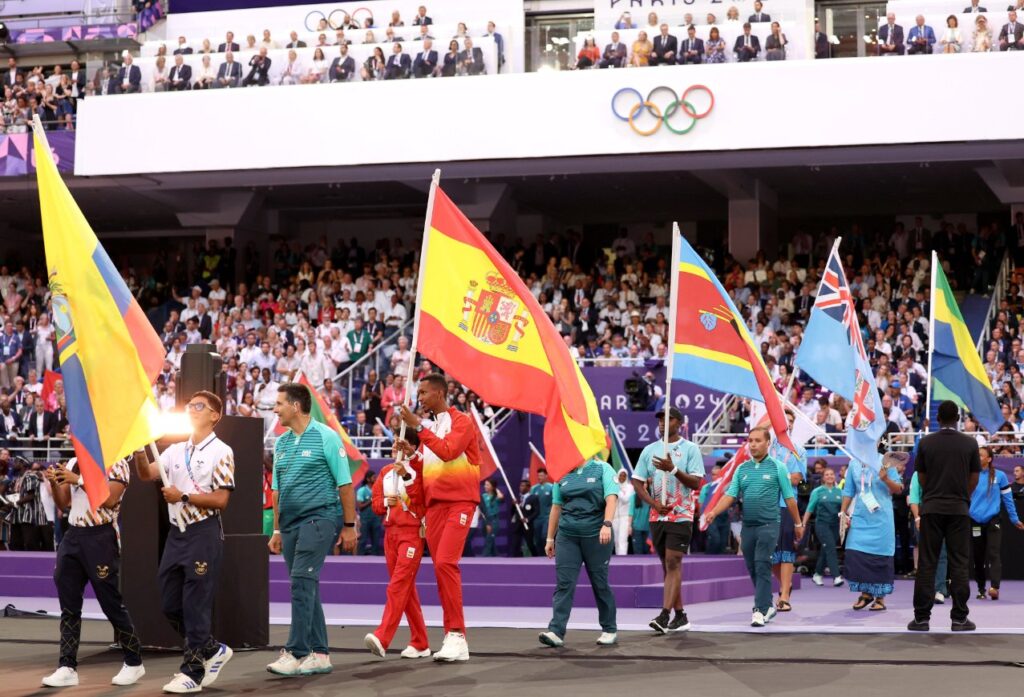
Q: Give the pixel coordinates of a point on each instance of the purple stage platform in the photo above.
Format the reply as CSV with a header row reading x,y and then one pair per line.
x,y
486,582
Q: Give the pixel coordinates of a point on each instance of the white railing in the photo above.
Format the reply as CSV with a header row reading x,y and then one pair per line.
x,y
39,450
999,288
717,419
371,361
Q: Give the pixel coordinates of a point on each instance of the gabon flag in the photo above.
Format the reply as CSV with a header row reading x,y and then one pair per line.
x,y
319,411
109,353
479,322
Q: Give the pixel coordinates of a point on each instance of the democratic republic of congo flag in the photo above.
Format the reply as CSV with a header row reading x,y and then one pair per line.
x,y
480,323
957,371
109,353
320,411
713,347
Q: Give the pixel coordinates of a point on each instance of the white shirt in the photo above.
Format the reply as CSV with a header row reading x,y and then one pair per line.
x,y
197,469
81,514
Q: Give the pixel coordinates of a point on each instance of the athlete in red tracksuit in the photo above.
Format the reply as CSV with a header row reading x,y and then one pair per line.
x,y
398,497
450,463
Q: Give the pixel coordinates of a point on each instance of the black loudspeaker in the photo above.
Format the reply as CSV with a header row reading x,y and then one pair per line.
x,y
1013,543
240,619
202,368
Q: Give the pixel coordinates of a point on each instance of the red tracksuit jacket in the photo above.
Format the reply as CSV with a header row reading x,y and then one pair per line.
x,y
398,516
455,478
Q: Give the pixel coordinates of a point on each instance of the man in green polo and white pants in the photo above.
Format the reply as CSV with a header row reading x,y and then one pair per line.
x,y
758,482
312,496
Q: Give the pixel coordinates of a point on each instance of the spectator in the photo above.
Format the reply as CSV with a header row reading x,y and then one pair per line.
x,y
421,18
229,74
294,41
625,21
293,70
614,53
641,51
589,54
180,76
370,529
692,50
1011,36
374,67
775,44
499,43
747,46
665,48
425,64
490,506
714,47
424,34
921,38
206,76
471,59
758,15
399,65
229,44
259,68
318,70
981,37
992,492
890,39
128,78
951,40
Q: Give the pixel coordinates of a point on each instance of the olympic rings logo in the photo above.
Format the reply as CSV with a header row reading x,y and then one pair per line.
x,y
336,19
662,115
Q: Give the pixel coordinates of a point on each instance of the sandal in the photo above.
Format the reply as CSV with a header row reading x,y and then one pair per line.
x,y
877,606
783,605
862,602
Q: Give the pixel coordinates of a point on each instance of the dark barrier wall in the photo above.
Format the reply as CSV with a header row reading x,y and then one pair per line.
x,y
241,608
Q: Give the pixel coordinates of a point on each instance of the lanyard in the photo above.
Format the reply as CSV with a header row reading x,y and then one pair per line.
x,y
188,466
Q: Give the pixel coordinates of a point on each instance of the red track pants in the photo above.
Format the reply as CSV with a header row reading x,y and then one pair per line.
x,y
447,528
403,551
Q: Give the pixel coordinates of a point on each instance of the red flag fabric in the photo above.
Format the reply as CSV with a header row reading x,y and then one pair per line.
x,y
536,464
50,379
488,463
723,479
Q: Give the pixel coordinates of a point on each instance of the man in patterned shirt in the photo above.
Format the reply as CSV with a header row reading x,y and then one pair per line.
x,y
90,552
30,513
674,475
201,476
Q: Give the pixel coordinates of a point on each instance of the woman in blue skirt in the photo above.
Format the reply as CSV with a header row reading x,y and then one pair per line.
x,y
871,536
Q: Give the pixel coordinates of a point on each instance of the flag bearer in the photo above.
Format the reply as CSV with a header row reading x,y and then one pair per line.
x,y
90,552
201,476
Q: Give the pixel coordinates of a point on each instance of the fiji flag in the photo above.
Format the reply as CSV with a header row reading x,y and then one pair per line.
x,y
832,352
109,353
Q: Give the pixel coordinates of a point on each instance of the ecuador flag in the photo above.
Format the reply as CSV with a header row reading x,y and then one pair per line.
x,y
957,371
479,322
712,345
109,353
320,411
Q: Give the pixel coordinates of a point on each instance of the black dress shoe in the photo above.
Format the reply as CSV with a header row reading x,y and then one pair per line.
x,y
963,626
918,625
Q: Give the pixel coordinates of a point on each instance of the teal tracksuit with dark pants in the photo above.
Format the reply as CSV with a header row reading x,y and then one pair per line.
x,y
581,496
308,470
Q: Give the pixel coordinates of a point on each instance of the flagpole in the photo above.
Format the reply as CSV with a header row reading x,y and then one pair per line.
x,y
835,444
494,455
434,182
673,313
931,347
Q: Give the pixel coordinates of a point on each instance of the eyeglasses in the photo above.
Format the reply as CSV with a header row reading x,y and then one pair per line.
x,y
195,406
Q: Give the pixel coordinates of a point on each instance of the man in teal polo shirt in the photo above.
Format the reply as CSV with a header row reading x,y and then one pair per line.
x,y
543,491
312,495
758,483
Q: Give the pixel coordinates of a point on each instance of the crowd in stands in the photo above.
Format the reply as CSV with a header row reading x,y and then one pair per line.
x,y
53,97
323,307
977,36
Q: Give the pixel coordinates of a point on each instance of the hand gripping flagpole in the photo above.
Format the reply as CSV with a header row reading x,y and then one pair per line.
x,y
434,182
673,313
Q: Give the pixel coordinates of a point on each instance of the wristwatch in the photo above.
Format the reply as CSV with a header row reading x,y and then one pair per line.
x,y
350,525
184,498
607,523
419,427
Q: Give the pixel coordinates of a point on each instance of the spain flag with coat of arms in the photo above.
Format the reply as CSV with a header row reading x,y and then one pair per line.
x,y
481,324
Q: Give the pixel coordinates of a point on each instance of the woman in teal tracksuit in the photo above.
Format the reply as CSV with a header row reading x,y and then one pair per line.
x,y
579,532
490,505
825,503
992,490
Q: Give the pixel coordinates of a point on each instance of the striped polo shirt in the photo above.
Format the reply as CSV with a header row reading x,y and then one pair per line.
x,y
198,468
758,486
81,514
308,469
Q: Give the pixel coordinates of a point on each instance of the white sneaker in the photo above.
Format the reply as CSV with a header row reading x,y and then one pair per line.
x,y
455,648
181,684
940,598
607,639
286,664
215,664
373,643
62,677
413,652
757,620
129,675
770,615
315,664
817,580
551,639
838,581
